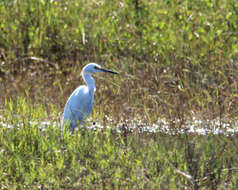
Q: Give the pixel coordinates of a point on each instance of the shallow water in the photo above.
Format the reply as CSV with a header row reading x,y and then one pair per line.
x,y
195,126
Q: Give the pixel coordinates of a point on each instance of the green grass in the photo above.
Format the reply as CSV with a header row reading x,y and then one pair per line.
x,y
177,60
42,158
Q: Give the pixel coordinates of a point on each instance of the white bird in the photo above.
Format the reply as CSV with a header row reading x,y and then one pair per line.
x,y
80,103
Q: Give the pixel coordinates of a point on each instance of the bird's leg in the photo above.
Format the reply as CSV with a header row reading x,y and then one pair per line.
x,y
83,125
71,130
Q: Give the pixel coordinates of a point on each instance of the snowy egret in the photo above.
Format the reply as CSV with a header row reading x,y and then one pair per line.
x,y
80,103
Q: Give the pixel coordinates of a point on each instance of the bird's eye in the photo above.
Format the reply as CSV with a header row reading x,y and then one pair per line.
x,y
95,67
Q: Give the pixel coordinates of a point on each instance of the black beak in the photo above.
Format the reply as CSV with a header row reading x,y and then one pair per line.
x,y
108,71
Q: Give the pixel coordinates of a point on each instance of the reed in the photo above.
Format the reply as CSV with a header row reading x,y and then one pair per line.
x,y
177,60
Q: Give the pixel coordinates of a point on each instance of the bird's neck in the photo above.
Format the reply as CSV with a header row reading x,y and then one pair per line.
x,y
89,81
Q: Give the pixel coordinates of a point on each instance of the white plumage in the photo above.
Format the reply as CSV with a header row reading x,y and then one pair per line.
x,y
80,103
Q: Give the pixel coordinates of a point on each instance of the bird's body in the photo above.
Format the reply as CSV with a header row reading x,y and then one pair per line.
x,y
80,103
78,106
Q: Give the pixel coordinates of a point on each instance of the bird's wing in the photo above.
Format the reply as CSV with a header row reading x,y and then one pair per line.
x,y
79,104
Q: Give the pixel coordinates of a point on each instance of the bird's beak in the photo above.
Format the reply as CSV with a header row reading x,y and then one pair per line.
x,y
108,71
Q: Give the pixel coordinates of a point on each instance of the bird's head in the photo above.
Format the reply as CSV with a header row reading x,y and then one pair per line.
x,y
95,68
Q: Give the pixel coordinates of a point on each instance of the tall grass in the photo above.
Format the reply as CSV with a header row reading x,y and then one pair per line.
x,y
32,157
177,58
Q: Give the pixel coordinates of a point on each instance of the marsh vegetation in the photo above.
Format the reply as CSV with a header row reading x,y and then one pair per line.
x,y
177,61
